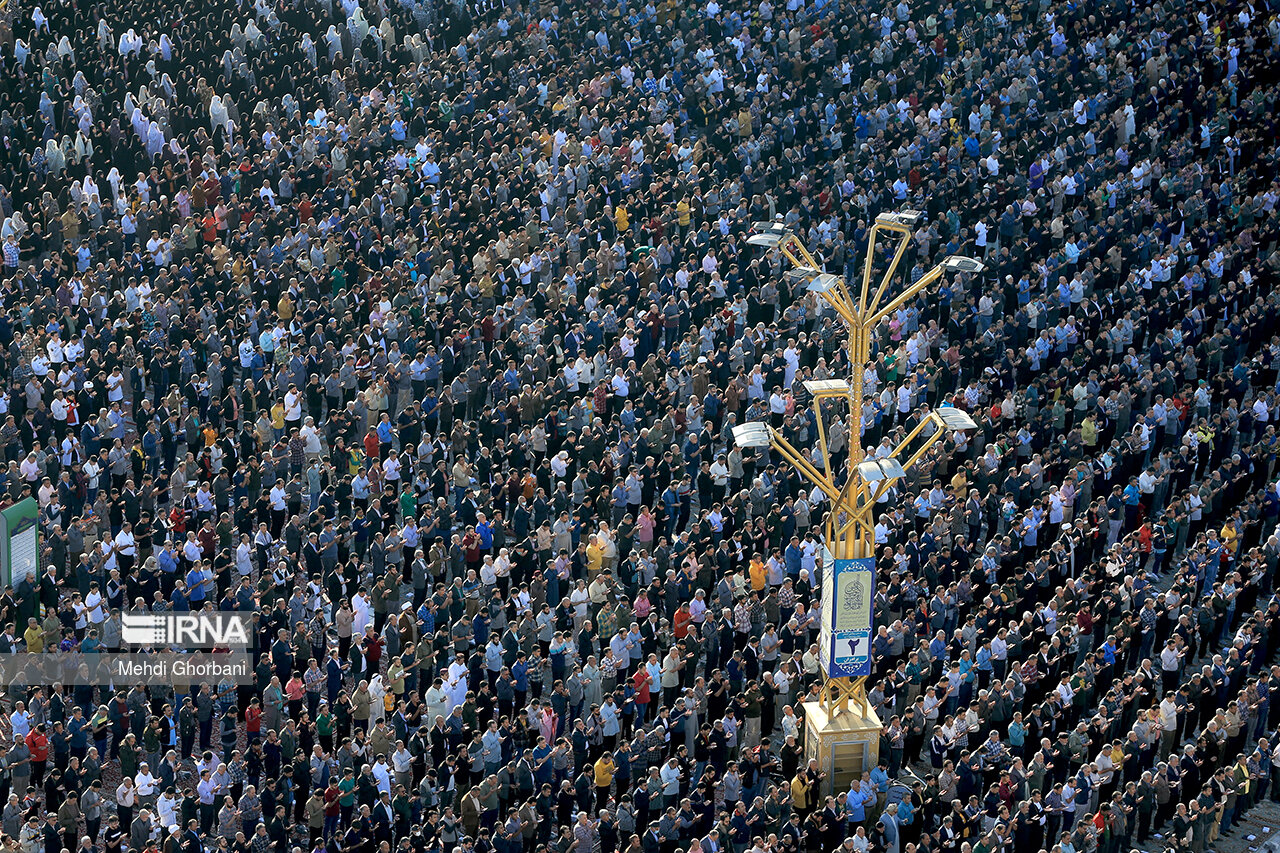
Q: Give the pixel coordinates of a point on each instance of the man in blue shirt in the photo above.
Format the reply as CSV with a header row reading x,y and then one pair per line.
x,y
195,585
1132,502
859,798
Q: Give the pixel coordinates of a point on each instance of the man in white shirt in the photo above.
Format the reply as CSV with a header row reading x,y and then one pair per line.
x,y
1168,711
94,606
621,387
292,408
146,783
20,720
126,548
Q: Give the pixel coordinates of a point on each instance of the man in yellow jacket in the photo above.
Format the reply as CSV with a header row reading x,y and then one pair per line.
x,y
605,769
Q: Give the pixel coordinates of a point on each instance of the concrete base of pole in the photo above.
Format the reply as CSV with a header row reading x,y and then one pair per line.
x,y
844,745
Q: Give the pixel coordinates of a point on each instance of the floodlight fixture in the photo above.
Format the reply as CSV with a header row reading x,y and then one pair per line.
x,y
827,387
769,234
875,470
823,283
900,219
955,419
752,434
959,263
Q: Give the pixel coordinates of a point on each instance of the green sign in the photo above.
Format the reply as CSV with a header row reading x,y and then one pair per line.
x,y
19,541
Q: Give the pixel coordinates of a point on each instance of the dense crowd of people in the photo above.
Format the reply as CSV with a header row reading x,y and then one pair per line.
x,y
416,333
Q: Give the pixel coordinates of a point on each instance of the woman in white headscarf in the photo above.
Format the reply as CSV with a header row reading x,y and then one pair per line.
x,y
105,38
139,123
289,107
126,42
166,48
64,50
21,52
84,148
228,63
38,20
218,117
53,159
155,139
79,83
236,35
114,180
91,186
80,107
14,225
166,85
308,49
335,43
252,34
77,194
358,26
46,106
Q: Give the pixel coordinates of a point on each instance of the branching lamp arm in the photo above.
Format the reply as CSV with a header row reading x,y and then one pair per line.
x,y
906,296
788,452
904,239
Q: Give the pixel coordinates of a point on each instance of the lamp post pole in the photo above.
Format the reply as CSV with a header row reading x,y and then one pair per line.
x,y
850,524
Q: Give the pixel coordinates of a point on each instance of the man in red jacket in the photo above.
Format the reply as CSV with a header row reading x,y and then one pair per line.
x,y
38,743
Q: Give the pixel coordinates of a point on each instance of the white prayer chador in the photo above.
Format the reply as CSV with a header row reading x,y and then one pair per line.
x,y
53,157
139,122
308,49
334,41
218,116
130,42
155,139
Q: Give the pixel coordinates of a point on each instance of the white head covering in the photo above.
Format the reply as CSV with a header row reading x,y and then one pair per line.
x,y
218,114
53,156
155,138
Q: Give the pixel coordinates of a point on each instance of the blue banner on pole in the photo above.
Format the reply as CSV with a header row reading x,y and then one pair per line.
x,y
848,595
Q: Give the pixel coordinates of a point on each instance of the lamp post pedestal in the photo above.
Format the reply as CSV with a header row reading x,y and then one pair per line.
x,y
844,743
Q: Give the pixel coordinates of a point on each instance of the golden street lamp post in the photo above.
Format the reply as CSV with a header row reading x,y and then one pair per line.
x,y
842,730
